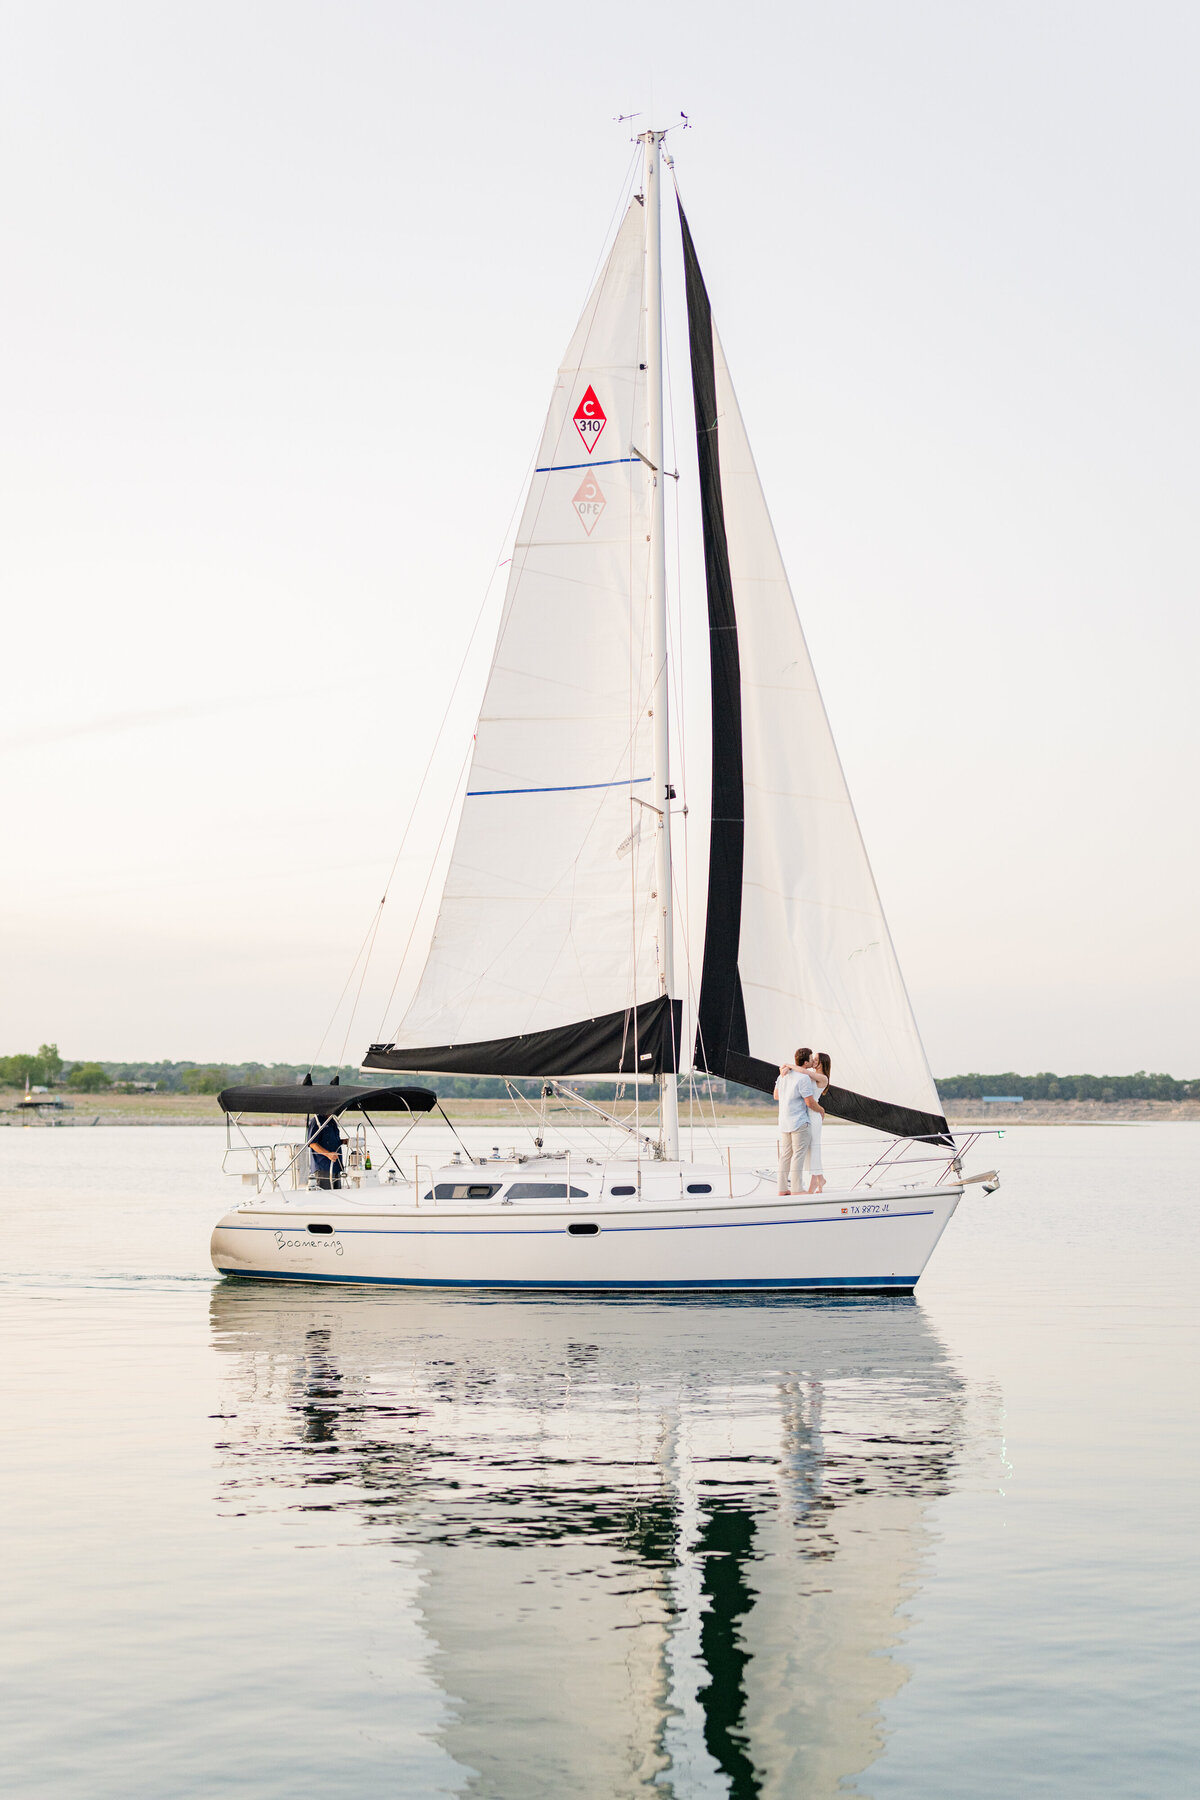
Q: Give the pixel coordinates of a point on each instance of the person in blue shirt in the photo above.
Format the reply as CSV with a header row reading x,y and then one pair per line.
x,y
796,1093
325,1148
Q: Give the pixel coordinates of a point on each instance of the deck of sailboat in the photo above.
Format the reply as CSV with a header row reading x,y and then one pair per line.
x,y
662,1190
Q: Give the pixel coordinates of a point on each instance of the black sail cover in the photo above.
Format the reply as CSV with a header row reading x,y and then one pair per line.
x,y
643,1040
771,851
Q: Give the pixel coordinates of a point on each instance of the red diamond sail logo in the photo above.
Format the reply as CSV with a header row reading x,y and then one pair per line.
x,y
589,503
590,420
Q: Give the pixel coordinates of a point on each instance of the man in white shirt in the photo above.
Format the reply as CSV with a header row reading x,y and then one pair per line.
x,y
796,1094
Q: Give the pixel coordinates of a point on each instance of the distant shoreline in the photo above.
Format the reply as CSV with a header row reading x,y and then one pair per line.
x,y
202,1109
1072,1112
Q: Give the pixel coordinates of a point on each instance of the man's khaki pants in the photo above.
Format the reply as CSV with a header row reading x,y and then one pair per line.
x,y
793,1148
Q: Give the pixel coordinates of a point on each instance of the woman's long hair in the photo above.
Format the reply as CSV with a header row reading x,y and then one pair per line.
x,y
825,1065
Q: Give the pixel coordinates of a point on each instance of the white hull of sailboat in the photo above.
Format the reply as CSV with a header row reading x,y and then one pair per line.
x,y
833,1242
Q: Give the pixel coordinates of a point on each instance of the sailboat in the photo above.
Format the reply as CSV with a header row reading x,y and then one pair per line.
x,y
553,954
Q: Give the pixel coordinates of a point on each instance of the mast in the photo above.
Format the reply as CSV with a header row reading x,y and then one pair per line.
x,y
668,1094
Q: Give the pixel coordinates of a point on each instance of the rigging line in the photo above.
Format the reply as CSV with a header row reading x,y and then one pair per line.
x,y
367,945
636,709
635,713
462,775
624,193
712,1097
471,1159
362,978
373,926
695,1000
453,695
518,1100
521,501
541,1122
678,683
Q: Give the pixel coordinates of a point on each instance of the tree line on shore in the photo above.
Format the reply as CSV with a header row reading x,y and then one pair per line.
x,y
1069,1087
44,1067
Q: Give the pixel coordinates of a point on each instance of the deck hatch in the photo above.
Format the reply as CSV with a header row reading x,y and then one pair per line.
x,y
464,1190
544,1190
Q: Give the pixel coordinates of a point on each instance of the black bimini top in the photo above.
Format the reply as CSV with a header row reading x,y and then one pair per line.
x,y
326,1102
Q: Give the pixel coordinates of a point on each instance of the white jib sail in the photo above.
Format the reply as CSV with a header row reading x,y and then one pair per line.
x,y
815,957
546,917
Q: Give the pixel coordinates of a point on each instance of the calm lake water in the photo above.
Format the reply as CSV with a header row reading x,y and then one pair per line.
x,y
306,1542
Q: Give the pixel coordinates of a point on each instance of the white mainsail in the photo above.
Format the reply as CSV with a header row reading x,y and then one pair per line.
x,y
546,917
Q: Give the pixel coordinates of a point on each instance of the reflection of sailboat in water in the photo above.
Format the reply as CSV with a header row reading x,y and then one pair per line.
x,y
661,1548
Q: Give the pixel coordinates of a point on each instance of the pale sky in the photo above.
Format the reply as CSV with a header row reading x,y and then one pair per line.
x,y
285,289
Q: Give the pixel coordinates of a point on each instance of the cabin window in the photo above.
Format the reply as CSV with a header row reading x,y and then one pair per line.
x,y
699,1187
321,1230
544,1190
577,1228
462,1190
623,1190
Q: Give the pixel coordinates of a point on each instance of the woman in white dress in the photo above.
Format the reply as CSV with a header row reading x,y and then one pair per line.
x,y
818,1069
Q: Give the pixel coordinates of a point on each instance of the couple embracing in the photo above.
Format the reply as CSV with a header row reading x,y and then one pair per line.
x,y
798,1091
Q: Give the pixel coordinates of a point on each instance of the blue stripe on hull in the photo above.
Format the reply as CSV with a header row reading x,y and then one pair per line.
x,y
511,1231
893,1284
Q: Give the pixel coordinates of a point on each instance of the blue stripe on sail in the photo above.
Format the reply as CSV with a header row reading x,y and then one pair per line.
x,y
561,468
577,787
